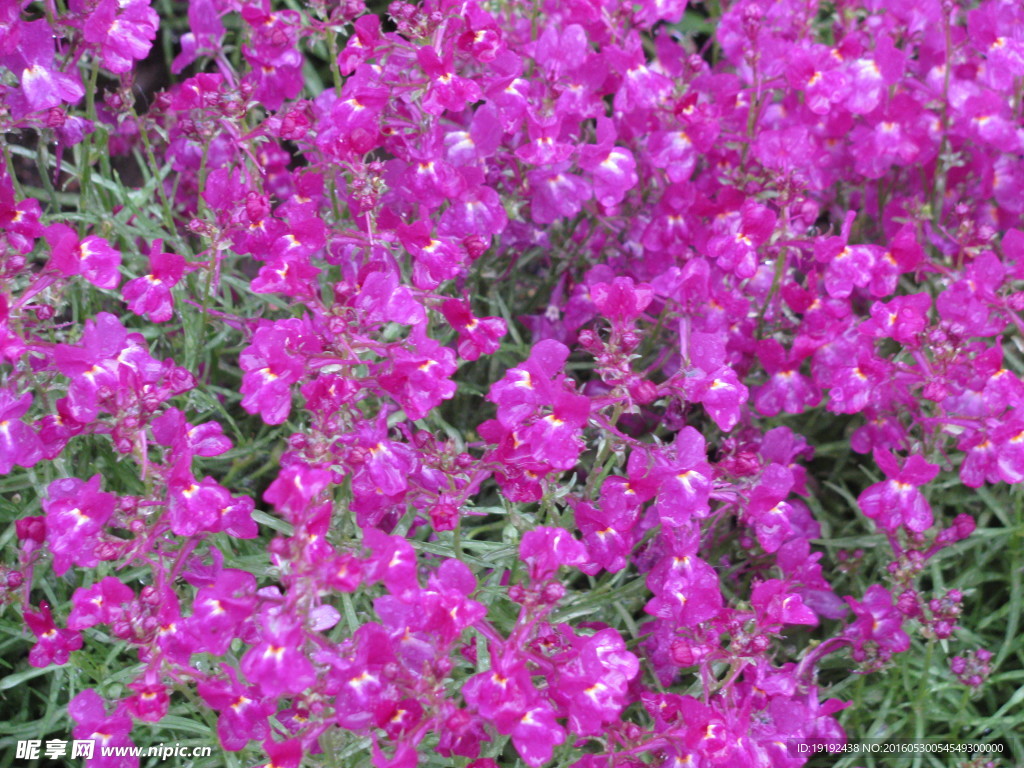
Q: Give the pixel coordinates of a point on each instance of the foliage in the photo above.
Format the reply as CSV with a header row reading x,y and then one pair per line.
x,y
490,383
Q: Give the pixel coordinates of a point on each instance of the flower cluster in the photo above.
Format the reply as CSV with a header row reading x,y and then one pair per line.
x,y
527,310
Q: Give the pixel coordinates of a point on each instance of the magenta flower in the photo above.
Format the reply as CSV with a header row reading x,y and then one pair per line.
x,y
776,606
283,754
877,632
622,299
597,682
686,483
93,366
787,389
207,31
102,603
272,363
110,731
544,550
385,464
735,248
554,439
53,645
220,609
670,248
418,378
478,211
76,513
897,500
277,664
121,32
686,590
530,385
555,193
535,734
151,294
447,90
206,439
43,84
613,168
768,510
92,257
19,444
477,335
243,711
607,536
714,383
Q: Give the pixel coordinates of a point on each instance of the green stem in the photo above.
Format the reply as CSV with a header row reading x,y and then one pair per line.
x,y
921,699
154,169
90,111
1011,641
19,193
602,455
939,186
332,48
